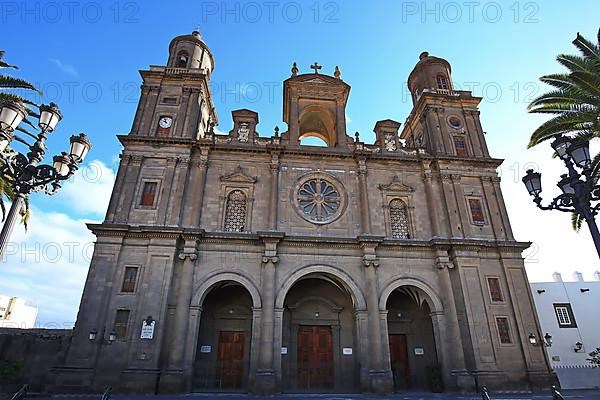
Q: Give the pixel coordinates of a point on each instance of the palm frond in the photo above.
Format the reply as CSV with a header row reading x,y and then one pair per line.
x,y
8,82
575,122
4,64
16,98
588,48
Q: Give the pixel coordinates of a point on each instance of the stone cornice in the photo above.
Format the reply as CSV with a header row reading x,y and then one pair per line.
x,y
309,152
154,140
120,230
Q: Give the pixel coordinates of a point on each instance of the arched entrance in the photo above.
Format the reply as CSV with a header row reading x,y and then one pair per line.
x,y
223,349
319,339
412,347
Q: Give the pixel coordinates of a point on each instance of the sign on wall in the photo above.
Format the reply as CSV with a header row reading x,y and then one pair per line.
x,y
147,329
347,351
419,351
205,349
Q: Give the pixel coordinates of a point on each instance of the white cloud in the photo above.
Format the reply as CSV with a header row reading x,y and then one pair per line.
x,y
89,190
66,68
47,265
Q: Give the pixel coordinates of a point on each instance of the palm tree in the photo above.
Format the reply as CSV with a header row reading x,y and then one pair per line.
x,y
8,85
574,101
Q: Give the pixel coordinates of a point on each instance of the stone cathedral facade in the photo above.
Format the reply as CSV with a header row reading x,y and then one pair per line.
x,y
247,262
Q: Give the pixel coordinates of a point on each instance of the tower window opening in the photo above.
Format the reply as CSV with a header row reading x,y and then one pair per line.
x,y
442,83
182,60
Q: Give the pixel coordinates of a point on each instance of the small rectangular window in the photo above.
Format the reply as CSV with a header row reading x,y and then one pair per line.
x,y
442,83
121,322
503,330
129,279
148,194
564,315
169,100
494,286
476,211
460,146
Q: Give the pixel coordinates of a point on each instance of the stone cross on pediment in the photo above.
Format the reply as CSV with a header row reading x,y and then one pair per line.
x,y
316,67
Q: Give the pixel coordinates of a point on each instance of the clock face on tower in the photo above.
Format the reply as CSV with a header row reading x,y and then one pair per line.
x,y
165,122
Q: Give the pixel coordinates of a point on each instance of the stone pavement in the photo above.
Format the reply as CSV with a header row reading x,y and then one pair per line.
x,y
567,394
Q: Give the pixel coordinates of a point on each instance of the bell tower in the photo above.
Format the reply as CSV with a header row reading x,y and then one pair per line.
x,y
176,99
444,121
315,105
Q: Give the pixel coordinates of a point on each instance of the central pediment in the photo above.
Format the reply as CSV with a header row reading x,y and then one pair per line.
x,y
317,78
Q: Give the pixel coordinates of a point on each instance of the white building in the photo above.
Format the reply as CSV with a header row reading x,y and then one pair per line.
x,y
14,313
570,313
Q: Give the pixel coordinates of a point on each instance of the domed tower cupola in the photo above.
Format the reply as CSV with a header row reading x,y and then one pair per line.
x,y
190,51
430,74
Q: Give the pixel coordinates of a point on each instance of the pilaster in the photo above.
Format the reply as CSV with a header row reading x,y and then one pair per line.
x,y
265,380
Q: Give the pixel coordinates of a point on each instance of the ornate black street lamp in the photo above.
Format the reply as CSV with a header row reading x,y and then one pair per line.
x,y
578,189
24,173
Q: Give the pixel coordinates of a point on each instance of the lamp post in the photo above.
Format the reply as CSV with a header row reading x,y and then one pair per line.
x,y
577,186
24,173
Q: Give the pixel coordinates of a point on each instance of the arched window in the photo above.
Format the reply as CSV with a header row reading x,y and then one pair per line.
x,y
442,83
235,212
399,219
182,59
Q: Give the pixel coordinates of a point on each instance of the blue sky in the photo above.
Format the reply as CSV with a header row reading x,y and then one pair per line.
x,y
85,56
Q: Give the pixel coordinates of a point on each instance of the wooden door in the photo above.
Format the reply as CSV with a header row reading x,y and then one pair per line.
x,y
230,361
399,361
315,357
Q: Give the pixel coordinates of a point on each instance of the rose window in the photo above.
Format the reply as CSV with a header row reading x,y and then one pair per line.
x,y
318,200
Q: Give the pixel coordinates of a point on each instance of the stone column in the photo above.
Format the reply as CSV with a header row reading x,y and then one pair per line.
x,y
128,196
502,206
385,339
190,96
340,140
445,324
265,382
145,127
187,256
496,219
455,226
114,198
380,378
431,205
362,331
192,203
175,204
459,195
475,117
168,190
139,113
273,194
191,341
365,224
294,123
436,139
